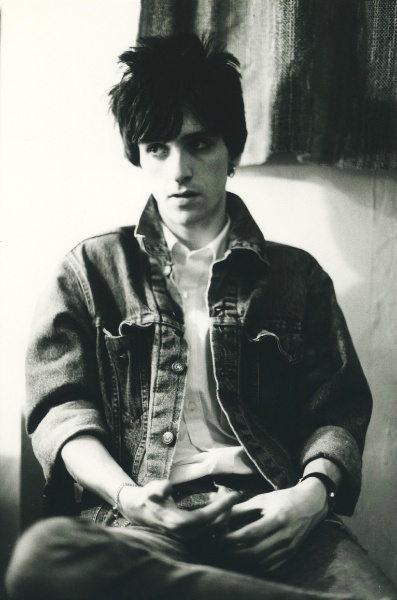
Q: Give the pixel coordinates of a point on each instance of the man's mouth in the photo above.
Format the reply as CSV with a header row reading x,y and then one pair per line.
x,y
185,194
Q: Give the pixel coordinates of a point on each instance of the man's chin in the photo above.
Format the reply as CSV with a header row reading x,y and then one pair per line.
x,y
186,218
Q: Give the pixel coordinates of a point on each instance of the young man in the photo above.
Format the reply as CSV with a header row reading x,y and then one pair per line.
x,y
187,374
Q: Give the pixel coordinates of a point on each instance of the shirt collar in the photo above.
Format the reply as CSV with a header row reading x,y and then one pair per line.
x,y
217,245
244,233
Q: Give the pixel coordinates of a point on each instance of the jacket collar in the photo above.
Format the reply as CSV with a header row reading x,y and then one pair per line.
x,y
244,233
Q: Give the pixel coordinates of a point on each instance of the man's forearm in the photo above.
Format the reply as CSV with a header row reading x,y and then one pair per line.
x,y
90,464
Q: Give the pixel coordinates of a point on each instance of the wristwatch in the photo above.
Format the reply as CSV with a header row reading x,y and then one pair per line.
x,y
329,485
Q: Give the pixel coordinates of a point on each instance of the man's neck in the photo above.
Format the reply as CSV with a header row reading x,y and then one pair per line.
x,y
195,237
200,239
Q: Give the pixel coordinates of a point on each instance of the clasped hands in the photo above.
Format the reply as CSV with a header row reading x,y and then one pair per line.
x,y
267,529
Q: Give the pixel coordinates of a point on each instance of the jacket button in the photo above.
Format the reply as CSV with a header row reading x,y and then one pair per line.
x,y
177,366
168,438
123,357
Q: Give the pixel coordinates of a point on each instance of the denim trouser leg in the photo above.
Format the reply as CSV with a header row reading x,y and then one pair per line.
x,y
332,559
68,559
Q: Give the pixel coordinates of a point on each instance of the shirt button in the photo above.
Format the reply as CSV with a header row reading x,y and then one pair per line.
x,y
168,437
167,270
177,366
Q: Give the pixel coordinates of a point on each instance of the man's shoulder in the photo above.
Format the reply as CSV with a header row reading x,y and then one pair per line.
x,y
106,239
281,251
292,262
107,252
110,243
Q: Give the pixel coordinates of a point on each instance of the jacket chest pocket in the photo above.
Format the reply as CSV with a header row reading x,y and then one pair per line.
x,y
272,359
129,357
128,389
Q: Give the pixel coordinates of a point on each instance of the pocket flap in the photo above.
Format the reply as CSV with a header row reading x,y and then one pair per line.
x,y
289,343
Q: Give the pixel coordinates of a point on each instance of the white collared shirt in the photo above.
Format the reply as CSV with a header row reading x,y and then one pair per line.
x,y
206,443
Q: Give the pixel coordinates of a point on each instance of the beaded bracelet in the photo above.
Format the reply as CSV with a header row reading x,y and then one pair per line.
x,y
115,507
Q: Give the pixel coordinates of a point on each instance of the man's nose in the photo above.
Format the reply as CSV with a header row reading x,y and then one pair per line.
x,y
182,168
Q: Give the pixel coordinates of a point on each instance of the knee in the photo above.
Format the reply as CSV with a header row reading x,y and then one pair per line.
x,y
34,561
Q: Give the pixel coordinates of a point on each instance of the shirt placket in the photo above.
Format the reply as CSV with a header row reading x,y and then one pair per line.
x,y
193,283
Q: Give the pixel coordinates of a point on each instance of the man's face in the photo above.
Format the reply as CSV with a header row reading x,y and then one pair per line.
x,y
187,176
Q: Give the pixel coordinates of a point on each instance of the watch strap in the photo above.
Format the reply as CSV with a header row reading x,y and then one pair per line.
x,y
329,485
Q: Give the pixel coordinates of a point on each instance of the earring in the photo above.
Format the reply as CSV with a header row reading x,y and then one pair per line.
x,y
231,171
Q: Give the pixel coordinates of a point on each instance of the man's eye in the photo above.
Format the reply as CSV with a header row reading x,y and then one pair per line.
x,y
201,144
156,149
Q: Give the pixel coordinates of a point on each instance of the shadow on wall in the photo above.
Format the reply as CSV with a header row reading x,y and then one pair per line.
x,y
376,193
9,517
32,484
21,486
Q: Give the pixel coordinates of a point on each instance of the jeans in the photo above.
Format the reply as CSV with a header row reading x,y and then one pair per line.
x,y
74,559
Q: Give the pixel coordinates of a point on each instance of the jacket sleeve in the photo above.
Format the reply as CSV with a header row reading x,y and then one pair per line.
x,y
338,404
63,388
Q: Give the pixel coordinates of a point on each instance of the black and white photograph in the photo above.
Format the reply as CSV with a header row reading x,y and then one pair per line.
x,y
198,250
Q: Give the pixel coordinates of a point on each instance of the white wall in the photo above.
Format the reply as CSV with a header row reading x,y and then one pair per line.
x,y
64,178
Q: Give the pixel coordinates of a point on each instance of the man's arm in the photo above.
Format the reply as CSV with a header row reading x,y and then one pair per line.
x,y
65,416
337,401
63,387
333,422
283,518
91,465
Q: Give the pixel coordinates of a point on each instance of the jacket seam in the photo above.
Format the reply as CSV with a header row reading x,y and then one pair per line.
x,y
84,286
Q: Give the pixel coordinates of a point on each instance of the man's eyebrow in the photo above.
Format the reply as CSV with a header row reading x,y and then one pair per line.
x,y
191,135
198,133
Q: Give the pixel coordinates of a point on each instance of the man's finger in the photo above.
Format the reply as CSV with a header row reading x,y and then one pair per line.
x,y
247,534
276,566
222,519
264,548
218,506
274,560
208,514
243,507
158,491
257,529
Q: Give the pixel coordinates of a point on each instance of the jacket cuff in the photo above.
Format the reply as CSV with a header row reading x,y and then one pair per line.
x,y
60,424
339,446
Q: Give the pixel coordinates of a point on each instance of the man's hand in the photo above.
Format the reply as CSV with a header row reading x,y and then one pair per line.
x,y
153,506
278,523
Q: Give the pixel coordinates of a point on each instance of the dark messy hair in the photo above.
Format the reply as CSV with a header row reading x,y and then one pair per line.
x,y
164,76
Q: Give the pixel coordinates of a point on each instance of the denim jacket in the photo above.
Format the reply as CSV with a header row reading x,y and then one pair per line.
x,y
107,357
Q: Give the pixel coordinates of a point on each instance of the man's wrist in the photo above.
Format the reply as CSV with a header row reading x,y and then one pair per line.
x,y
120,490
327,483
315,495
326,466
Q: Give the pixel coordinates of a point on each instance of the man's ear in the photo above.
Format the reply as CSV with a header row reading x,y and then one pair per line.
x,y
236,161
232,165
